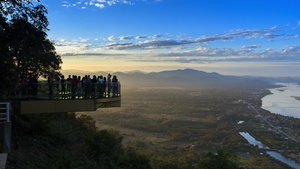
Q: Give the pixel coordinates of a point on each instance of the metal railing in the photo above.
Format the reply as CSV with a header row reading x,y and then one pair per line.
x,y
4,111
44,90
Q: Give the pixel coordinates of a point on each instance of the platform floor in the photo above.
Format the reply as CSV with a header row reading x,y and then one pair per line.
x,y
3,158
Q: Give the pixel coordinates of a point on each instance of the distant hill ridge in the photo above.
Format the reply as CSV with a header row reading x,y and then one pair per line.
x,y
182,78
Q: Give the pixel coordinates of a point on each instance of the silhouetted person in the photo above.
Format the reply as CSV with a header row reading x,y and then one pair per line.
x,y
63,85
69,85
101,86
57,81
30,85
50,84
108,85
104,86
79,87
34,85
115,85
84,88
23,86
94,86
74,86
88,86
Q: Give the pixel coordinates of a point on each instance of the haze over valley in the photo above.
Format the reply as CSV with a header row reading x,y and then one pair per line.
x,y
188,84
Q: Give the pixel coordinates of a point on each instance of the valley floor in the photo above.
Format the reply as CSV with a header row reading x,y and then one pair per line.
x,y
180,125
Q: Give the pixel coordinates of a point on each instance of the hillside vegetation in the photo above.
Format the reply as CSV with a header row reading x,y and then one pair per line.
x,y
63,140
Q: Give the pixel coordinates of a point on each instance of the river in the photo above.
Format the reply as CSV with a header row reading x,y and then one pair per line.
x,y
273,154
283,100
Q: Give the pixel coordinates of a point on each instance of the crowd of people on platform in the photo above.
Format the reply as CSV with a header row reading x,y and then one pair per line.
x,y
86,87
74,86
29,86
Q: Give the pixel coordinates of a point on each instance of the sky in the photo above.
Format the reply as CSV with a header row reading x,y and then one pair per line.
x,y
232,37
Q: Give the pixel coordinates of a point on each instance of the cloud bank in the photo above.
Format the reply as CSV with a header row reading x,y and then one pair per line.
x,y
83,4
207,48
169,43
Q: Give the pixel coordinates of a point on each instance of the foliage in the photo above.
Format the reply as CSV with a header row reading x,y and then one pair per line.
x,y
262,162
10,7
221,159
24,48
67,141
133,160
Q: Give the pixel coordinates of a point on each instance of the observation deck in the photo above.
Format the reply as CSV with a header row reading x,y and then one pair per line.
x,y
46,97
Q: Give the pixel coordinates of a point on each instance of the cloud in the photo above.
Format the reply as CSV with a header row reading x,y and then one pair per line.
x,y
156,36
99,5
208,52
92,54
126,37
242,54
112,38
292,37
83,40
103,3
169,43
66,4
141,37
251,47
298,23
149,44
186,50
66,47
232,55
273,36
291,52
110,3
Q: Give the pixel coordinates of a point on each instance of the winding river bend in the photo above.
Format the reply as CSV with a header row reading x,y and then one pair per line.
x,y
273,154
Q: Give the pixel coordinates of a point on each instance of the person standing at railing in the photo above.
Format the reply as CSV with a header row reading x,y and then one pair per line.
x,y
23,86
74,86
50,84
57,81
104,86
101,86
88,86
69,85
84,89
94,86
30,85
79,87
34,85
63,85
109,84
115,85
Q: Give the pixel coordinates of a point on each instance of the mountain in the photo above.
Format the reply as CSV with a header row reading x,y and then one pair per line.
x,y
187,78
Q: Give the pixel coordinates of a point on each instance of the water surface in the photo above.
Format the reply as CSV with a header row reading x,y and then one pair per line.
x,y
273,154
283,100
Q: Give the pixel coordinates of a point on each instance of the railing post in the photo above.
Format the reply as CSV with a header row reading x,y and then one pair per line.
x,y
119,89
6,113
5,128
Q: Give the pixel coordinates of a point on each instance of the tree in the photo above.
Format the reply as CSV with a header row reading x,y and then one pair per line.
x,y
221,159
25,49
32,52
9,7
